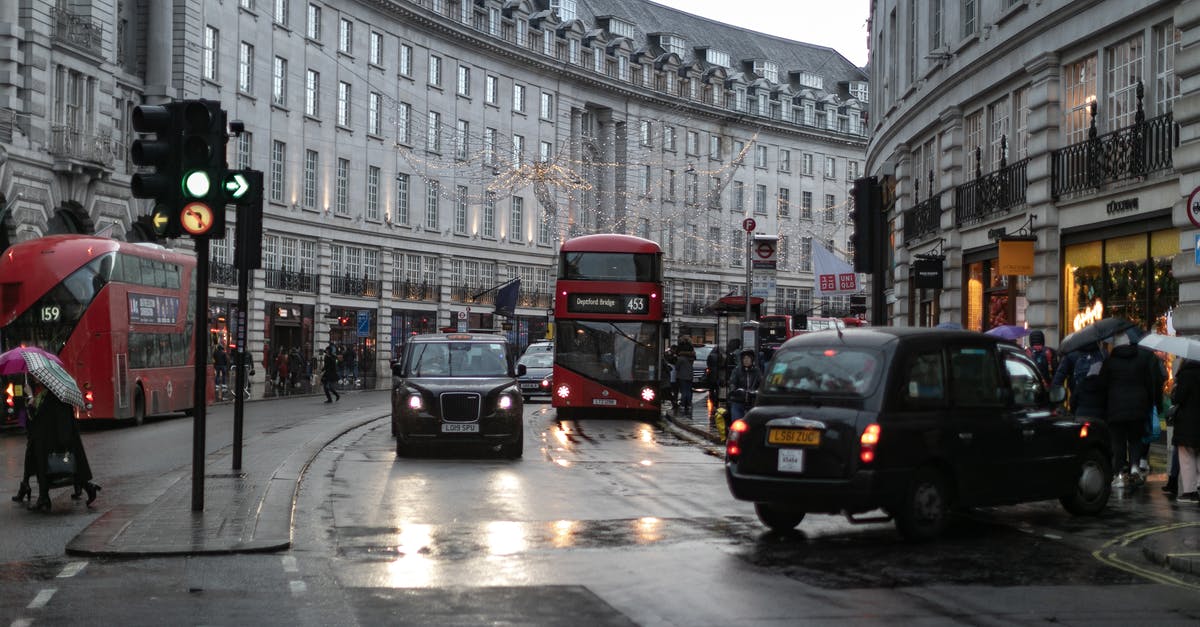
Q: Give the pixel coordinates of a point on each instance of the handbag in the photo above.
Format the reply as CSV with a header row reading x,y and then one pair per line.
x,y
58,464
738,396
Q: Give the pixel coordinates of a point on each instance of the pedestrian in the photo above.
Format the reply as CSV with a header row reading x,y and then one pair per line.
x,y
714,374
220,370
685,358
743,385
1186,435
1072,372
673,382
53,430
1043,356
329,376
1132,381
282,371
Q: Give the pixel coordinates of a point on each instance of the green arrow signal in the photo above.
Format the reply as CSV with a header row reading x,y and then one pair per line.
x,y
236,185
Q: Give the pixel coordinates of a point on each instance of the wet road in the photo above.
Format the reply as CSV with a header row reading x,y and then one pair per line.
x,y
603,522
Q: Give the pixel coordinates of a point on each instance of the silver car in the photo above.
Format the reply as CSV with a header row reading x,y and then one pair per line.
x,y
536,380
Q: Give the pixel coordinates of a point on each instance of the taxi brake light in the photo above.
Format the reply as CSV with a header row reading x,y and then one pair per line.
x,y
732,446
867,443
1083,431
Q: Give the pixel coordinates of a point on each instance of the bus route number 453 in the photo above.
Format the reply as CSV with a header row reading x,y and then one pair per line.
x,y
635,304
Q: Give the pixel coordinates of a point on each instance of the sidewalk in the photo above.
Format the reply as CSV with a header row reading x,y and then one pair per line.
x,y
245,512
1174,544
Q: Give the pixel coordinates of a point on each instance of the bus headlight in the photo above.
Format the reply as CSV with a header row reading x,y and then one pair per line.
x,y
563,391
648,394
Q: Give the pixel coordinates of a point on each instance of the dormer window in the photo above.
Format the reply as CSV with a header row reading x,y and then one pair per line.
x,y
768,70
673,43
620,28
859,91
808,79
717,57
564,8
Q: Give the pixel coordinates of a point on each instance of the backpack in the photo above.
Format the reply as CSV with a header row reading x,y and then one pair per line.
x,y
1044,360
1079,372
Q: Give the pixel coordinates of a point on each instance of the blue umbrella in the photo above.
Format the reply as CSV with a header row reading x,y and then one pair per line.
x,y
1008,332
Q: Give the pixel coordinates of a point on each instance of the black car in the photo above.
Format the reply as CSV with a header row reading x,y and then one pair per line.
x,y
457,388
913,422
536,379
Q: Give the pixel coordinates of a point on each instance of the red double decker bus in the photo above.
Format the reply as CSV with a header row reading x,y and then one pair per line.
x,y
608,316
120,315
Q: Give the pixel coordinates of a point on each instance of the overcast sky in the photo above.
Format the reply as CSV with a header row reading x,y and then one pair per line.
x,y
841,24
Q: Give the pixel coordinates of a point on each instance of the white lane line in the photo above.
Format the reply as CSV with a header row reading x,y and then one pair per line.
x,y
42,598
298,588
71,569
289,564
21,622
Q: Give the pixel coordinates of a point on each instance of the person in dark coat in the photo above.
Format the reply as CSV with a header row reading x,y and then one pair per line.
x,y
329,375
53,429
1072,372
715,373
685,357
1133,383
1186,437
743,385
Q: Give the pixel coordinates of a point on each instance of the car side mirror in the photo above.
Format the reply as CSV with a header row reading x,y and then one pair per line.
x,y
1058,394
521,370
396,369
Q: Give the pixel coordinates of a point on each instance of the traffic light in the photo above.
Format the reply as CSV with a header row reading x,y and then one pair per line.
x,y
202,168
867,218
162,153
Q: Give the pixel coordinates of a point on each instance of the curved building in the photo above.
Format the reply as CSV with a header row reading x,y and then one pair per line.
x,y
419,153
1038,155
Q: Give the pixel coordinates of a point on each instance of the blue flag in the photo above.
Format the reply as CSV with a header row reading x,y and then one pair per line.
x,y
506,298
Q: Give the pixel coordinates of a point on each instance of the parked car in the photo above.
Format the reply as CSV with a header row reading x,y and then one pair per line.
x,y
913,422
536,380
457,388
540,346
700,366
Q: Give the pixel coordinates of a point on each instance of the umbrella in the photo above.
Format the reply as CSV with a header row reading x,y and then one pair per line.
x,y
54,377
1008,332
949,325
1185,347
13,362
1099,331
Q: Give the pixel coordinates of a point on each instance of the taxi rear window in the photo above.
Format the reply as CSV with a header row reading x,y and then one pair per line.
x,y
815,370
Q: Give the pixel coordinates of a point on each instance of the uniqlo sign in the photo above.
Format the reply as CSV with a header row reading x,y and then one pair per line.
x,y
847,282
828,282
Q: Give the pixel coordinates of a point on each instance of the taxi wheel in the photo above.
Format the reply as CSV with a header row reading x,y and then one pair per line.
x,y
922,514
778,518
1092,488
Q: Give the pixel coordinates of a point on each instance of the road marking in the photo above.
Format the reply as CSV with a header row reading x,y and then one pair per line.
x,y
289,564
71,569
1110,557
21,622
42,598
298,588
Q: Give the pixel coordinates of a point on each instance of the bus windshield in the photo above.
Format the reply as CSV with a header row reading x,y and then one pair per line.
x,y
596,266
774,330
608,352
50,321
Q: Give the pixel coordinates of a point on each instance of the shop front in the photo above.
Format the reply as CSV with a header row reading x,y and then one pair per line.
x,y
407,323
352,333
1121,269
222,323
521,331
289,338
990,297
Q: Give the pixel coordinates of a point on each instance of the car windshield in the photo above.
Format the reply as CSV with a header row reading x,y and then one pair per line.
x,y
457,359
702,353
540,347
823,370
538,360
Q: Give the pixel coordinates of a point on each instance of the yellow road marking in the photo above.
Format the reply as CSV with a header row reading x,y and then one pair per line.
x,y
1108,557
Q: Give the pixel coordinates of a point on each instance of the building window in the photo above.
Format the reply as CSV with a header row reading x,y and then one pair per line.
x,y
806,205
860,91
564,8
1167,42
246,68
312,88
693,143
460,210
1123,63
935,25
374,107
464,81
806,254
518,154
278,158
516,221
547,111
692,190
435,70
669,185
785,160
714,246
279,82
310,178
212,39
244,143
489,146
402,190
545,152
491,89
403,122
645,134
970,17
406,54
760,199
518,98
714,147
342,194
345,36
376,53
313,28
488,219
669,138
768,70
809,79
785,202
281,12
1079,84
760,156
372,192
545,228
737,247
433,132
830,167
739,196
998,133
431,205
830,210
461,142
343,107
972,140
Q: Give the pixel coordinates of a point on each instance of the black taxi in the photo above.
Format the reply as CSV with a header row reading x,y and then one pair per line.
x,y
457,388
911,422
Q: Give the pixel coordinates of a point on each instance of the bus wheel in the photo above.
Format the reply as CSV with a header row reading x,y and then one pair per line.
x,y
139,406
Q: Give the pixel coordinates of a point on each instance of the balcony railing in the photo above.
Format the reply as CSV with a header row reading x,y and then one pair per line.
x,y
352,286
541,300
77,31
67,142
471,294
923,219
289,281
991,195
415,290
1130,152
222,274
695,308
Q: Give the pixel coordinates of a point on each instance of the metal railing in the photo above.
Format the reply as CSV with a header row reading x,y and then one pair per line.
x,y
77,31
352,286
471,294
923,219
542,300
66,141
222,274
290,281
1131,152
990,195
414,290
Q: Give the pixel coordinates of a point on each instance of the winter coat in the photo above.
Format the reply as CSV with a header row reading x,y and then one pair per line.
x,y
1186,398
685,356
1133,382
746,379
329,371
52,429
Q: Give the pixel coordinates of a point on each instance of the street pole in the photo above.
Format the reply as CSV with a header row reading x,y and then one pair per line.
x,y
200,380
749,240
247,255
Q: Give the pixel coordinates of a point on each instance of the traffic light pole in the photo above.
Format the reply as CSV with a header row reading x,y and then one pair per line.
x,y
200,382
239,397
247,255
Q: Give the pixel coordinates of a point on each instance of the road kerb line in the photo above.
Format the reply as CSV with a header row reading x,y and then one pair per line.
x,y
43,597
72,569
289,564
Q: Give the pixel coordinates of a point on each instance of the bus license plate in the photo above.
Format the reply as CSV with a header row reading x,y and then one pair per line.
x,y
791,460
794,437
456,427
604,401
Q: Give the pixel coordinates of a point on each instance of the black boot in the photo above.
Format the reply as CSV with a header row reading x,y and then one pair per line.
x,y
23,493
1172,486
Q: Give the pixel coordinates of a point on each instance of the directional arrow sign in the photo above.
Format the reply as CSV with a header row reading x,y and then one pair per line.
x,y
236,185
161,221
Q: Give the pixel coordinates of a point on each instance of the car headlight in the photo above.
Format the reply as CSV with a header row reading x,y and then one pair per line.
x,y
415,402
506,402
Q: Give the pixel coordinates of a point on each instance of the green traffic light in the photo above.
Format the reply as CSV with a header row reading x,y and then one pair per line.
x,y
196,184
